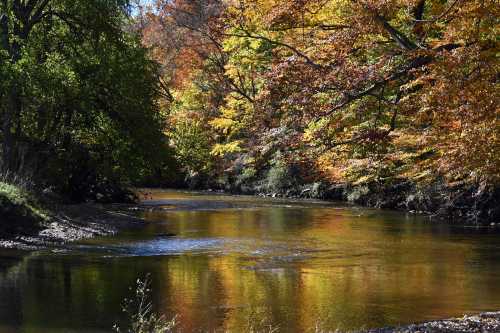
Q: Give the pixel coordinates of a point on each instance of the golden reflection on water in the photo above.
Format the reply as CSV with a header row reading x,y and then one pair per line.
x,y
352,269
294,265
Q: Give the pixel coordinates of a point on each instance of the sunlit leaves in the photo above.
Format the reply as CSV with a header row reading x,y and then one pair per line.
x,y
375,84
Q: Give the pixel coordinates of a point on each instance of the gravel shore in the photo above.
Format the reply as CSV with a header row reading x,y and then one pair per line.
x,y
73,223
488,322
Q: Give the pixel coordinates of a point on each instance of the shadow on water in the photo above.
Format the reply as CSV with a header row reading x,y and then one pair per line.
x,y
10,305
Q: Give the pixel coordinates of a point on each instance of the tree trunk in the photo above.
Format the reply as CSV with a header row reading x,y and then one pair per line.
x,y
8,144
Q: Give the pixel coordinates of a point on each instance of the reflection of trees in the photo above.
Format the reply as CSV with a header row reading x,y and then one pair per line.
x,y
360,271
57,293
10,296
374,270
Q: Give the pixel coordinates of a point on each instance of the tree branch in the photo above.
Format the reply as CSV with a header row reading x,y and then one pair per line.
x,y
291,48
446,12
414,64
398,37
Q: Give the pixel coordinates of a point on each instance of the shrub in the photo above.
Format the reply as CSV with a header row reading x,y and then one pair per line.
x,y
278,176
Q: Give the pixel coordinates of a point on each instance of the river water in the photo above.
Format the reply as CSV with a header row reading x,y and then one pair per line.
x,y
240,263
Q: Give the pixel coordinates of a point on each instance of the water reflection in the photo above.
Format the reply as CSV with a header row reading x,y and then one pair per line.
x,y
255,262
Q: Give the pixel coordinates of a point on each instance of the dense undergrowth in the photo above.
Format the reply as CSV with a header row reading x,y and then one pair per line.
x,y
459,202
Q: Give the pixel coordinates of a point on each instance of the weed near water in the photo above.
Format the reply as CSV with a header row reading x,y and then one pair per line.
x,y
142,319
139,310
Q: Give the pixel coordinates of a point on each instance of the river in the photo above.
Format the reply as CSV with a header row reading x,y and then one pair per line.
x,y
241,262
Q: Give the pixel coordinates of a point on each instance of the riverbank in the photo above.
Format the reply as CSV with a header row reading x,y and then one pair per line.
x,y
485,323
460,202
26,223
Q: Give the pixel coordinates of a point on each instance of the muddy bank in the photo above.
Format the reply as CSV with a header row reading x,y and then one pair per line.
x,y
481,323
70,223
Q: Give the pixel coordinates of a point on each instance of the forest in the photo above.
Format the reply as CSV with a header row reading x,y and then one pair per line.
x,y
392,104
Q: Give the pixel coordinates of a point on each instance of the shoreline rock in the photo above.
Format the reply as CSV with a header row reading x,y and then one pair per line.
x,y
487,322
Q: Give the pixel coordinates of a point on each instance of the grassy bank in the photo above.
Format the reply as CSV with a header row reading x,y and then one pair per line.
x,y
21,213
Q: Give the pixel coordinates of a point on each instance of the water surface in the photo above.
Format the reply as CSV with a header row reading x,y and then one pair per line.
x,y
240,262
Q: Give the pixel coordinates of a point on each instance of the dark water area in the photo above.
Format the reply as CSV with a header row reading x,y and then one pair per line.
x,y
243,262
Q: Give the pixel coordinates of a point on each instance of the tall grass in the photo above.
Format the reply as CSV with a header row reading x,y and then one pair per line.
x,y
139,310
23,183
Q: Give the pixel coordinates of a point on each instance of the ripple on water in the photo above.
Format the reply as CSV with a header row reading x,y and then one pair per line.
x,y
147,248
159,247
244,247
260,250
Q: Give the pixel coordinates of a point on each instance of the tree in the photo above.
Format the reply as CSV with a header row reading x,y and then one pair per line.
x,y
361,75
78,86
374,89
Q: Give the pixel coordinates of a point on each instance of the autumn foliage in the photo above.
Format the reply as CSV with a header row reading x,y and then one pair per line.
x,y
339,90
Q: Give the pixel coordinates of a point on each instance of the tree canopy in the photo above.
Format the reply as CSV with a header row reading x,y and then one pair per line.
x,y
237,91
339,90
78,93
